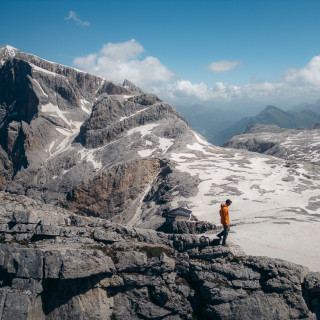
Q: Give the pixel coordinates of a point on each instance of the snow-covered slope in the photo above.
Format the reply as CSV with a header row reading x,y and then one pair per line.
x,y
98,148
276,207
290,144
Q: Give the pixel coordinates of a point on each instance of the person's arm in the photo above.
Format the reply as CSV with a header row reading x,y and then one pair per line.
x,y
226,216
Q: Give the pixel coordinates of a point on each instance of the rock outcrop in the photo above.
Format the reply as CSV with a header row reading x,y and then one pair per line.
x,y
177,226
57,265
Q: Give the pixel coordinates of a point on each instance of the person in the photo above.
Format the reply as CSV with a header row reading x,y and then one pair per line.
x,y
224,214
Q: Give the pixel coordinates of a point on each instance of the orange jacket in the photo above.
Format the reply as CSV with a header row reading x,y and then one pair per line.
x,y
224,214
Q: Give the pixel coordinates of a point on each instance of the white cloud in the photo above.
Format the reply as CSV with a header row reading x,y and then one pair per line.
x,y
310,74
295,86
223,66
186,88
119,61
74,16
122,51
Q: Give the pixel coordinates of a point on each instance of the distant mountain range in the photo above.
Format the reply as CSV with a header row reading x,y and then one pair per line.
x,y
289,144
271,116
307,106
209,120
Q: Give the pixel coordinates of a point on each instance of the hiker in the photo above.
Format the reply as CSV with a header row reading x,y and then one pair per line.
x,y
224,214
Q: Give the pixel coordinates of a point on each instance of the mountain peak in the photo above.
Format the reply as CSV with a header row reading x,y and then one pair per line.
x,y
9,49
7,52
131,87
270,108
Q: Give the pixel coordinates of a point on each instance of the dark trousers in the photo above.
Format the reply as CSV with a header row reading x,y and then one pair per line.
x,y
224,233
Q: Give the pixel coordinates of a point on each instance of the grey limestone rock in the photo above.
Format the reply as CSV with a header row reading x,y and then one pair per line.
x,y
107,236
186,227
88,144
123,272
71,264
131,87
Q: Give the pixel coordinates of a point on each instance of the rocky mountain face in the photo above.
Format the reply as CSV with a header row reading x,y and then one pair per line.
x,y
57,265
81,142
289,144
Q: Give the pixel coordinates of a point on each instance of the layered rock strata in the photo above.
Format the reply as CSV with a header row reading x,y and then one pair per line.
x,y
57,265
79,141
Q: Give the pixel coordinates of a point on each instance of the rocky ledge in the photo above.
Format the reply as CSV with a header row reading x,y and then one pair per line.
x,y
57,265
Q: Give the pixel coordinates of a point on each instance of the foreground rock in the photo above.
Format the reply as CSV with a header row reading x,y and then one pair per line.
x,y
186,227
56,265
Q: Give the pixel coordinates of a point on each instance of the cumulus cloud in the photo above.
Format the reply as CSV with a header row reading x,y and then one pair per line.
x,y
125,60
119,61
295,86
223,66
185,88
122,51
74,16
310,74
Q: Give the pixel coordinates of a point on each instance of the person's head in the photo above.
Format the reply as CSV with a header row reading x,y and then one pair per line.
x,y
228,202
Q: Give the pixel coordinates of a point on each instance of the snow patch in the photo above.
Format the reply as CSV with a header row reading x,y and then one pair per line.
x,y
149,143
64,143
88,155
165,144
36,68
126,97
86,106
51,108
198,147
132,115
137,216
182,157
146,153
11,51
200,139
144,130
40,87
51,147
255,180
102,83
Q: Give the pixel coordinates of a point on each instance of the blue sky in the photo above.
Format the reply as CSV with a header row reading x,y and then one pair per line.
x,y
260,52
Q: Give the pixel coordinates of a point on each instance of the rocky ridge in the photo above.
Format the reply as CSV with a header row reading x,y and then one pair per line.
x,y
57,265
289,144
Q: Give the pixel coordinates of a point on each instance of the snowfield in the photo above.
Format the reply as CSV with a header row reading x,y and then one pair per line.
x,y
275,210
